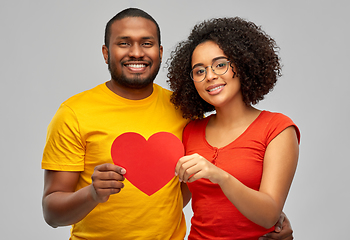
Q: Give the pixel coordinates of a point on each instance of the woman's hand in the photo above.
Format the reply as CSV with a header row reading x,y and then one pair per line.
x,y
193,167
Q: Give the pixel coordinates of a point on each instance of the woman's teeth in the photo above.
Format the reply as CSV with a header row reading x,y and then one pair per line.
x,y
216,88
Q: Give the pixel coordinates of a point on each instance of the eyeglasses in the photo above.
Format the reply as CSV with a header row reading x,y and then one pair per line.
x,y
219,67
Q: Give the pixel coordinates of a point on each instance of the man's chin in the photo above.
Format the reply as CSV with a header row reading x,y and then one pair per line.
x,y
134,83
139,85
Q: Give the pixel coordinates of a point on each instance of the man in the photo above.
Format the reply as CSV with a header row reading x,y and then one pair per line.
x,y
83,187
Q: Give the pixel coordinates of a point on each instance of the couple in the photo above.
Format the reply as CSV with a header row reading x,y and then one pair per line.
x,y
239,162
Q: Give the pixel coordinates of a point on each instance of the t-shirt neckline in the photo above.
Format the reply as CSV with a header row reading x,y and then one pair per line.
x,y
235,140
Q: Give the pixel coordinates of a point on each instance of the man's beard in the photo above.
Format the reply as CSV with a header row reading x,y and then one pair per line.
x,y
136,82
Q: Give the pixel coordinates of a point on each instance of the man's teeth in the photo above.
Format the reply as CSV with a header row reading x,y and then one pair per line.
x,y
136,65
213,89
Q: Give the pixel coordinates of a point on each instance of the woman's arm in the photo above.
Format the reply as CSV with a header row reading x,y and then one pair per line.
x,y
263,207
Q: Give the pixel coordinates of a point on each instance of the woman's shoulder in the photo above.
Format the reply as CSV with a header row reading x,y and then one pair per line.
x,y
196,126
274,116
199,122
277,122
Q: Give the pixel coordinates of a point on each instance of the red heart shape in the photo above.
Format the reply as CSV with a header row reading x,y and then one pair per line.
x,y
149,165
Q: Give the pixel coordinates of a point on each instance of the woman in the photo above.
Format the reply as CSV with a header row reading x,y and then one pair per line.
x,y
240,161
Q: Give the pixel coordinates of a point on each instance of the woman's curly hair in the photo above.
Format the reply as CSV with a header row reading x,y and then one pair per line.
x,y
252,51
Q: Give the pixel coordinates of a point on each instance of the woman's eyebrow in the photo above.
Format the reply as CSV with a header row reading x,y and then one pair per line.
x,y
213,60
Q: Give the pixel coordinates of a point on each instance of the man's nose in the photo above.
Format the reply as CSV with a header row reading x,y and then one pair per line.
x,y
136,51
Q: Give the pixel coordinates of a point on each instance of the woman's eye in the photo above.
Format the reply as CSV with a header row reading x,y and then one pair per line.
x,y
200,72
221,65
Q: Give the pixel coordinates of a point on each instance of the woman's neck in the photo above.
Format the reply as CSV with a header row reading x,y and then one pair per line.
x,y
226,126
236,115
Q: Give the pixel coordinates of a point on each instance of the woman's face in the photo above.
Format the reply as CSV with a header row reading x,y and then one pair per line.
x,y
218,90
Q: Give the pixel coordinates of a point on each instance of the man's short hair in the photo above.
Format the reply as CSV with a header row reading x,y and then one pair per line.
x,y
129,12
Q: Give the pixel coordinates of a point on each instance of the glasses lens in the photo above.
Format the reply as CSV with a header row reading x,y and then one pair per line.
x,y
220,66
198,74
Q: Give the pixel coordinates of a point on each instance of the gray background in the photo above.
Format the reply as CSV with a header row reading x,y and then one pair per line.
x,y
51,50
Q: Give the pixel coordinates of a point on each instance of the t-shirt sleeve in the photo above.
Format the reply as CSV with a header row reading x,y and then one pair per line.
x,y
186,134
277,124
64,150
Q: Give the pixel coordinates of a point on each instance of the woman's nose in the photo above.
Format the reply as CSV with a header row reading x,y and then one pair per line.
x,y
210,74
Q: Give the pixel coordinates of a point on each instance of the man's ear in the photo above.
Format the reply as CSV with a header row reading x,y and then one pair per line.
x,y
105,53
161,52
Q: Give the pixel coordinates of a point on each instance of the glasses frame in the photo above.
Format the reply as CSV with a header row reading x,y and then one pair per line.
x,y
211,66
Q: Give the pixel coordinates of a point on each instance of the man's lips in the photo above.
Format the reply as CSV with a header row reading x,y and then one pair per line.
x,y
136,66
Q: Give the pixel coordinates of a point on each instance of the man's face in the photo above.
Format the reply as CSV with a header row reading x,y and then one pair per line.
x,y
134,54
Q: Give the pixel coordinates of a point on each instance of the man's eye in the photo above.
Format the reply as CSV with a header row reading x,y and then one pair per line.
x,y
147,44
123,44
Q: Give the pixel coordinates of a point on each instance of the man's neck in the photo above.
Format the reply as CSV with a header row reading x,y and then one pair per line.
x,y
130,93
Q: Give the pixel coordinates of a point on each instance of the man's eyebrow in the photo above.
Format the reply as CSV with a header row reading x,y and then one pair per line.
x,y
150,37
143,38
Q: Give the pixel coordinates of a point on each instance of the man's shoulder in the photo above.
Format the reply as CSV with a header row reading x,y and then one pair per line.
x,y
86,95
163,94
162,89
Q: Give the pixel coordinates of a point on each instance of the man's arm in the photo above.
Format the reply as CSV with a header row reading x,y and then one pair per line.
x,y
63,206
186,194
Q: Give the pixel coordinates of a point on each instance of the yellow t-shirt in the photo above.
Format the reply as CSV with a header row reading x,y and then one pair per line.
x,y
80,137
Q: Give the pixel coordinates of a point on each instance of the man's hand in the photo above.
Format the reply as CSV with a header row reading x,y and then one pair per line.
x,y
106,180
283,230
63,205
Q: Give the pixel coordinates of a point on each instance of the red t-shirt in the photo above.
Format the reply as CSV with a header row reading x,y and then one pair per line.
x,y
215,217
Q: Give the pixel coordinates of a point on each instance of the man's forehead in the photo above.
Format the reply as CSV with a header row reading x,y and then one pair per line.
x,y
130,27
